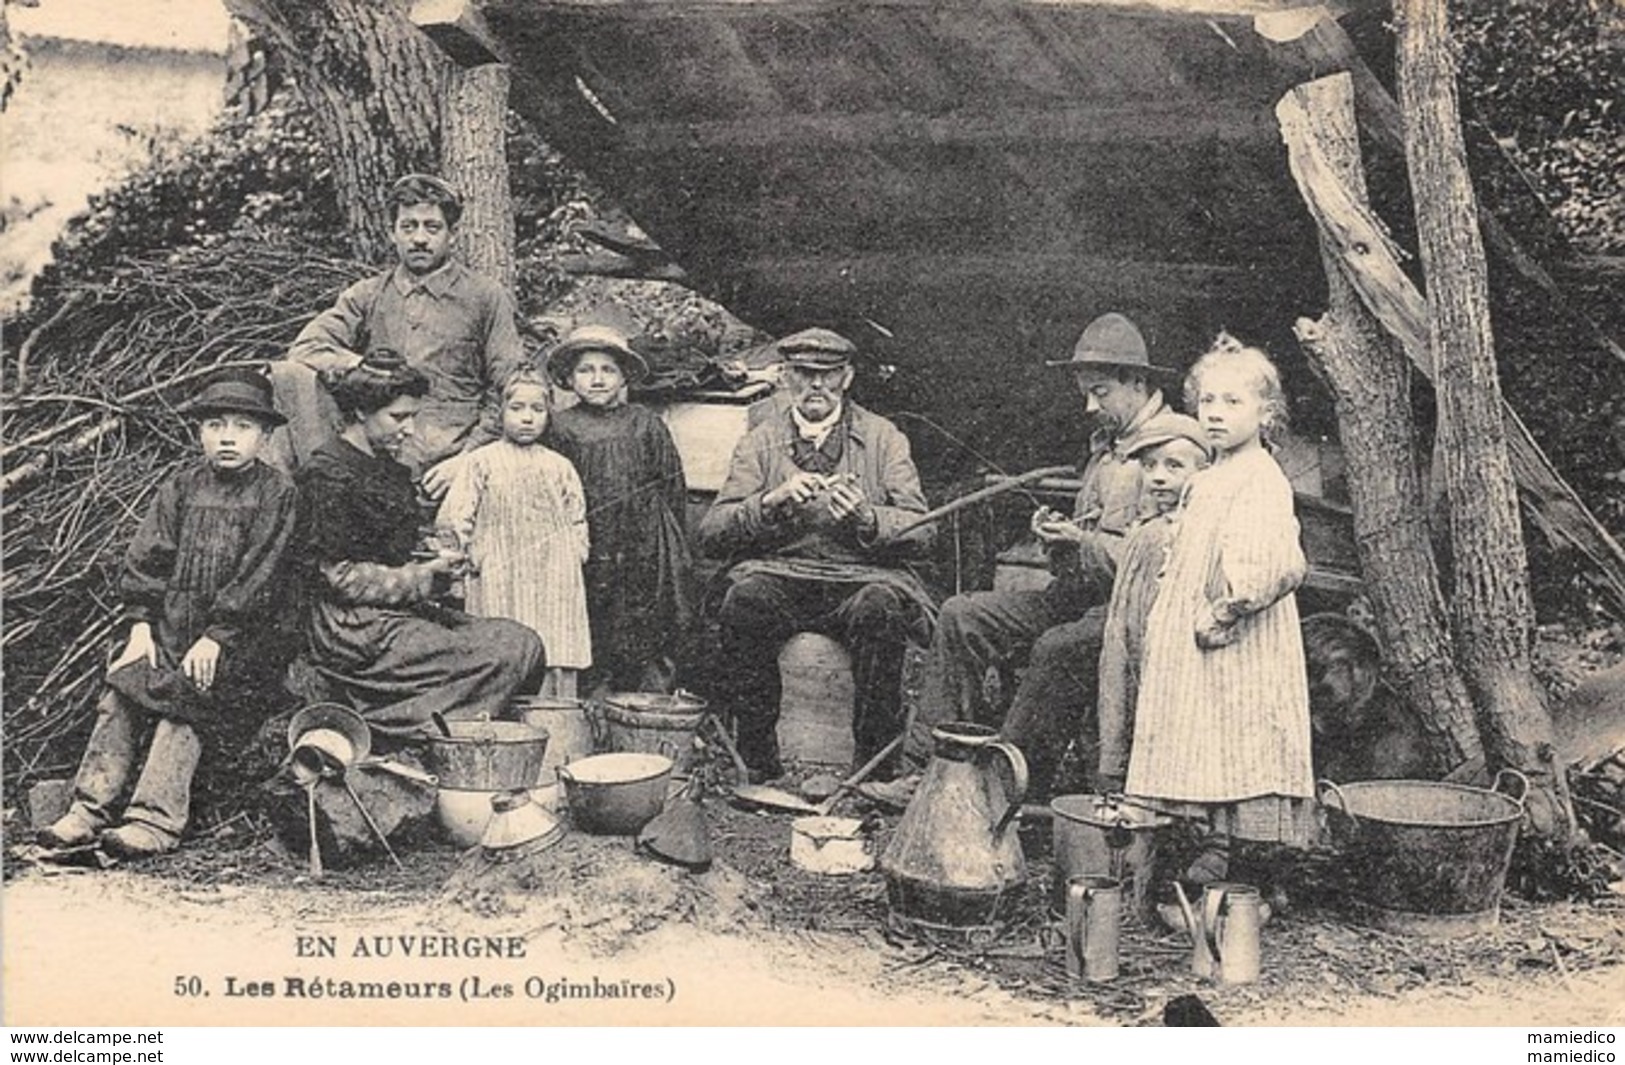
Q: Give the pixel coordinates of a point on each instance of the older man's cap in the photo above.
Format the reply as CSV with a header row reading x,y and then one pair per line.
x,y
816,349
1161,428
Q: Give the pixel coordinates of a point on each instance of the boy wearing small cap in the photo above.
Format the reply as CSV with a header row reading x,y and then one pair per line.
x,y
199,586
1170,448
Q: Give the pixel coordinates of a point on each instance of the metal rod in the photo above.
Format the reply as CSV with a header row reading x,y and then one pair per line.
x,y
367,816
964,501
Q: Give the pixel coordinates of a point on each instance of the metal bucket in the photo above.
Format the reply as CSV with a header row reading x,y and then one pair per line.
x,y
487,755
1085,828
1423,856
573,729
652,723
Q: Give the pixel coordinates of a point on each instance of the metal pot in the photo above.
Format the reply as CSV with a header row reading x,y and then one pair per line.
x,y
615,794
487,755
1426,857
655,723
464,814
574,730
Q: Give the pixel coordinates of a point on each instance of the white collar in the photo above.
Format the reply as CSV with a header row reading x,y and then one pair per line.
x,y
817,432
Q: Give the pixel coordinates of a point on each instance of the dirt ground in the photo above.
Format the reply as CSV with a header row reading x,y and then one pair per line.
x,y
751,941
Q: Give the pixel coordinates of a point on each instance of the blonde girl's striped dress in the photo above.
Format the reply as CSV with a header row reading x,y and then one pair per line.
x,y
523,515
1224,734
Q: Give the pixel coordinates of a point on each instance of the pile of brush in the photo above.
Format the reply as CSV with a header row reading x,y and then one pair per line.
x,y
91,430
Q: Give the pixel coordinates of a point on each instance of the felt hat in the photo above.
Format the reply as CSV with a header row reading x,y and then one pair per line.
x,y
1161,428
1110,342
331,717
239,391
816,349
561,363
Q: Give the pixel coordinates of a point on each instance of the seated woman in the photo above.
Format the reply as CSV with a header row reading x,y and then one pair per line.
x,y
374,629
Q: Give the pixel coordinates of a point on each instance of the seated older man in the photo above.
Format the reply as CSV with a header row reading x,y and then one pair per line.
x,y
810,518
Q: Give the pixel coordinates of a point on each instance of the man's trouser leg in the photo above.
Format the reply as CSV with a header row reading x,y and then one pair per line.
x,y
109,761
1056,699
312,415
974,631
759,613
876,622
163,796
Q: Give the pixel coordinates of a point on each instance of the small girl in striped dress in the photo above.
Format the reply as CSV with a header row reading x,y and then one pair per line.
x,y
519,511
1221,728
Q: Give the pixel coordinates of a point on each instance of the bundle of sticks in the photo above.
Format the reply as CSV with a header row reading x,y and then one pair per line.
x,y
91,430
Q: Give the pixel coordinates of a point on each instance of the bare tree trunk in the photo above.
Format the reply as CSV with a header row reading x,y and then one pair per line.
x,y
1370,381
12,61
1494,617
374,84
475,159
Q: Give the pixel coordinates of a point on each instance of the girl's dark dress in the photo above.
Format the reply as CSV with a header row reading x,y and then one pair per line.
x,y
639,570
373,628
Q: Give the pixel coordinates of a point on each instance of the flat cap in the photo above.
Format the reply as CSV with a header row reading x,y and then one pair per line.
x,y
817,349
1161,428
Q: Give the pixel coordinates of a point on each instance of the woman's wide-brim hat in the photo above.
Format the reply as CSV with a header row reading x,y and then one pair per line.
x,y
1111,342
236,392
561,363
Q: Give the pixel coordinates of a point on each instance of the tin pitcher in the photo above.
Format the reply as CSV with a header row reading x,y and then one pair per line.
x,y
1094,923
1228,946
955,861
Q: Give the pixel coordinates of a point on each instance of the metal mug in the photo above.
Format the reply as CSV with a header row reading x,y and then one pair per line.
x,y
322,752
1228,946
1094,921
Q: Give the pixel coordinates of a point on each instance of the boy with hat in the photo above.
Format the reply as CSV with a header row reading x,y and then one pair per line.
x,y
1058,626
812,517
1170,448
199,585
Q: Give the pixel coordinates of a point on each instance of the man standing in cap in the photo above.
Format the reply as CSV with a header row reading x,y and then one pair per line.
x,y
451,324
1059,627
811,517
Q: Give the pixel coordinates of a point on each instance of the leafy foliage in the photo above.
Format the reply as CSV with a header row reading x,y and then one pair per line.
x,y
263,177
1545,76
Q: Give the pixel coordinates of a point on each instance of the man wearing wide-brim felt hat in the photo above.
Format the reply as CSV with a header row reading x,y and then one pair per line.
x,y
1059,626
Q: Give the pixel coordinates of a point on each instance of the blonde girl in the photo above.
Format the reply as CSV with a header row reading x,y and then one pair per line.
x,y
518,508
1221,730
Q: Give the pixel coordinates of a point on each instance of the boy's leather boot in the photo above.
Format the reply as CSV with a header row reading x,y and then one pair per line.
x,y
157,813
104,774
